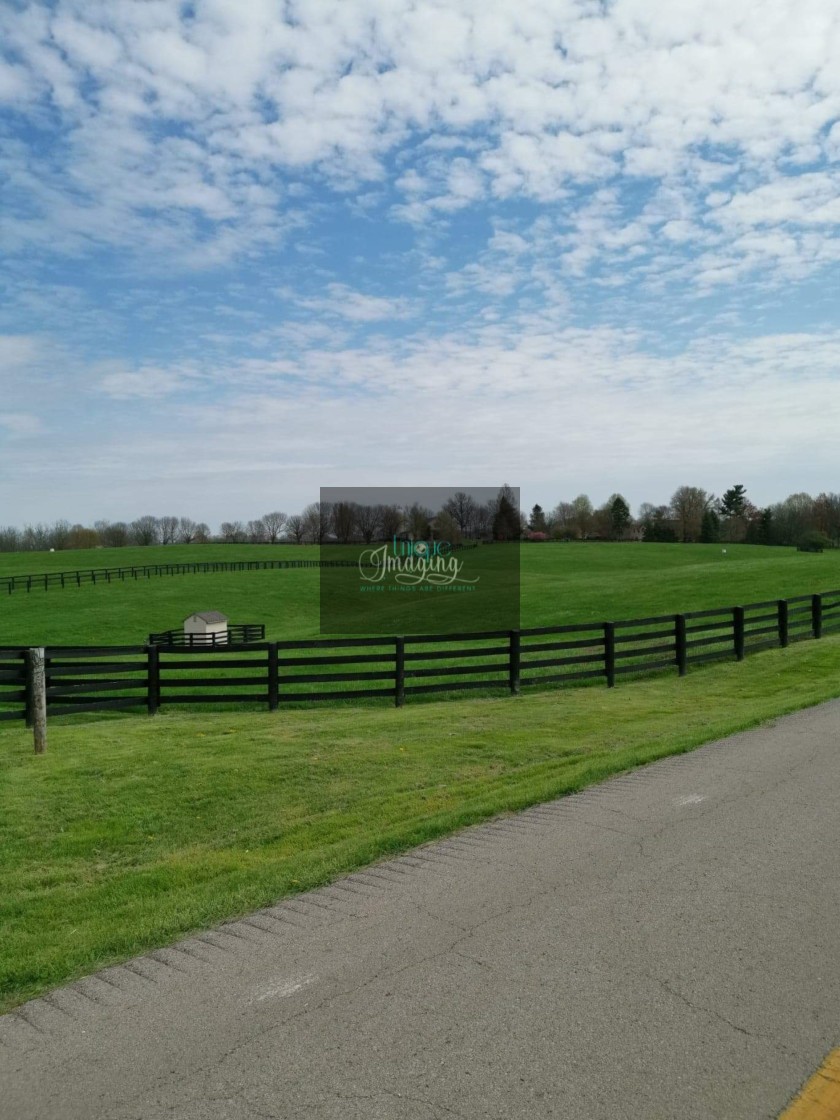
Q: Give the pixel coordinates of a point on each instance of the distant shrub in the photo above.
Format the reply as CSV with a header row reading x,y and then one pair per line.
x,y
813,541
537,536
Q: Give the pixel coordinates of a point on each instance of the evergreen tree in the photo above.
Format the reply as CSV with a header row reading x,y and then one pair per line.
x,y
619,516
656,526
537,522
732,502
506,523
710,527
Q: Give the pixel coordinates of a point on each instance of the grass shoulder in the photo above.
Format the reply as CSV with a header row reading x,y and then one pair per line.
x,y
130,833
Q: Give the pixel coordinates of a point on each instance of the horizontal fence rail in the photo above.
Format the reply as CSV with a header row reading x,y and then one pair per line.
x,y
237,633
43,581
268,674
13,684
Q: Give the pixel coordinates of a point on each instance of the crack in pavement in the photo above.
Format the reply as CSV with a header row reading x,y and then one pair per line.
x,y
717,1016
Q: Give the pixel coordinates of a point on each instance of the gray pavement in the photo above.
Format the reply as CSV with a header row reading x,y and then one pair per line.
x,y
665,945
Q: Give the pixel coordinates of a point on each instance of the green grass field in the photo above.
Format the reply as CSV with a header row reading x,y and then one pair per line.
x,y
132,831
560,583
129,833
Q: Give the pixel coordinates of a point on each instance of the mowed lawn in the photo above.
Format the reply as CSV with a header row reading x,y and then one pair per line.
x,y
560,583
131,832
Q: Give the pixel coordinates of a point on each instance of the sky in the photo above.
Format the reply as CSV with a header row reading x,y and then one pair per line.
x,y
252,249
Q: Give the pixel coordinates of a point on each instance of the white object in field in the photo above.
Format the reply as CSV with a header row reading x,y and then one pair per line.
x,y
207,628
52,550
723,550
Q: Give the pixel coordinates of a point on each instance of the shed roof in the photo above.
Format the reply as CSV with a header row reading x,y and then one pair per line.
x,y
207,616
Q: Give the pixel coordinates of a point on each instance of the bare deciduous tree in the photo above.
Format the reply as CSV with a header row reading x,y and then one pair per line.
x,y
563,520
447,528
9,539
273,524
317,518
145,530
483,525
390,521
582,513
793,517
688,504
368,522
462,508
232,532
417,518
168,529
112,534
344,521
256,531
187,530
295,528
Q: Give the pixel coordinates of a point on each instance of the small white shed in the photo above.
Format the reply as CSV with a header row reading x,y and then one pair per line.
x,y
206,628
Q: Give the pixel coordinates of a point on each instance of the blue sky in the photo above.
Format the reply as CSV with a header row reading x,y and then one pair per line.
x,y
249,250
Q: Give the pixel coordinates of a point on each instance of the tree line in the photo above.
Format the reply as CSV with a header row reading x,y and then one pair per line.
x,y
461,517
692,515
696,515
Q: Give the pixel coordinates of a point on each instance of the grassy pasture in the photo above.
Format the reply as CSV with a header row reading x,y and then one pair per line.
x,y
130,833
68,560
560,583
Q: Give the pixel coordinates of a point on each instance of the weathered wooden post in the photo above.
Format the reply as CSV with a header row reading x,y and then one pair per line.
x,y
399,672
152,679
681,644
738,631
36,687
609,653
816,615
782,616
273,677
515,663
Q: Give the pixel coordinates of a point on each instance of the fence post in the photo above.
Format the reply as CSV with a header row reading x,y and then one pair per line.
x,y
738,631
782,609
515,668
27,687
153,679
680,644
816,615
609,653
273,677
36,688
399,672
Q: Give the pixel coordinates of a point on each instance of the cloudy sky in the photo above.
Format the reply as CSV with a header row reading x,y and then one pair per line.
x,y
250,249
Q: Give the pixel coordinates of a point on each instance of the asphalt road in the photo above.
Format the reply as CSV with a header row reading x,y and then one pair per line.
x,y
666,945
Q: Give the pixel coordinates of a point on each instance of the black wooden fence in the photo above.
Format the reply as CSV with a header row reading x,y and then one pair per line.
x,y
43,581
237,633
93,678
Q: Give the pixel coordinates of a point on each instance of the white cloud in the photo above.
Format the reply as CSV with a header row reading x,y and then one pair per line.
x,y
486,401
497,172
18,351
147,383
344,302
20,424
167,134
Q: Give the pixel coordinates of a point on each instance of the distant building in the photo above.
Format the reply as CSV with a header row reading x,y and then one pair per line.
x,y
209,628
